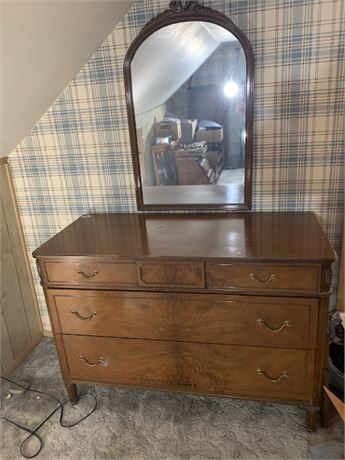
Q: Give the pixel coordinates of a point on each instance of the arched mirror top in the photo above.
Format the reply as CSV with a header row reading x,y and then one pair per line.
x,y
189,90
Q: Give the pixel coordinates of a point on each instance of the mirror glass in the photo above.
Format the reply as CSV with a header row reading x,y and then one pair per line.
x,y
189,89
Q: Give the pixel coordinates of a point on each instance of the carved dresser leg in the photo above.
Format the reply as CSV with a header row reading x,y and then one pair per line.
x,y
312,416
72,392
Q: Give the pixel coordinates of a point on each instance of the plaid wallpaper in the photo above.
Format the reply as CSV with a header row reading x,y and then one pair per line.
x,y
77,158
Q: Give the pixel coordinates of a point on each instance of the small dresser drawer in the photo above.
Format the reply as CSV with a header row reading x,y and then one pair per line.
x,y
221,369
91,273
171,274
262,277
238,320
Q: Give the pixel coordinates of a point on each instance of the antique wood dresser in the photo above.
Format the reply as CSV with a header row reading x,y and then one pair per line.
x,y
220,304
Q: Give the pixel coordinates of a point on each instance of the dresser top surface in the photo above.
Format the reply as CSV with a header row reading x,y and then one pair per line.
x,y
267,235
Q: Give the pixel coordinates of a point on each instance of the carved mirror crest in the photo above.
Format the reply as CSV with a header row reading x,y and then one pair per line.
x,y
189,90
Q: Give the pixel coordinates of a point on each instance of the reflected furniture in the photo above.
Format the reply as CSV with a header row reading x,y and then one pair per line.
x,y
219,304
201,90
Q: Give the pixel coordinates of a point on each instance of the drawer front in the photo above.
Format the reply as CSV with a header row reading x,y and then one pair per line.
x,y
85,273
262,277
255,321
172,274
221,369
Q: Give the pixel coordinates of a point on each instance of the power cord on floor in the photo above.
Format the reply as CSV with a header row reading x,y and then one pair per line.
x,y
34,432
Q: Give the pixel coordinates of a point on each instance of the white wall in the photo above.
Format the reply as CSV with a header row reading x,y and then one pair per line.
x,y
44,44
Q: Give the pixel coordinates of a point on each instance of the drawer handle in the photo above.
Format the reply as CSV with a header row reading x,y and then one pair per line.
x,y
100,361
262,322
86,276
284,375
263,282
83,318
141,275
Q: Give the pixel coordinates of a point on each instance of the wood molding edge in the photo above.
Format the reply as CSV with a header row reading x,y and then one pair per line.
x,y
340,293
23,243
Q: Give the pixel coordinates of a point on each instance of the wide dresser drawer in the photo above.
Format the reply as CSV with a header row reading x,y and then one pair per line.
x,y
220,369
208,318
262,277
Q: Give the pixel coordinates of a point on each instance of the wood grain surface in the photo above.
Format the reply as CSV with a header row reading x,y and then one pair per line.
x,y
280,236
182,317
262,277
221,368
92,272
224,304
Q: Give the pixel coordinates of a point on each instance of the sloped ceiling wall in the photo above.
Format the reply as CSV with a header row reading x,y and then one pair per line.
x,y
163,62
44,44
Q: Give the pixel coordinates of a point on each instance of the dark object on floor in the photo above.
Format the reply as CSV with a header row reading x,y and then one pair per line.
x,y
34,432
336,352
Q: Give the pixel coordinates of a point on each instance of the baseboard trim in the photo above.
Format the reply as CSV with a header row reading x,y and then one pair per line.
x,y
19,359
48,333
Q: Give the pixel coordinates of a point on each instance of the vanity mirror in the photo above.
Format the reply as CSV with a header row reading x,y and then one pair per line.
x,y
189,89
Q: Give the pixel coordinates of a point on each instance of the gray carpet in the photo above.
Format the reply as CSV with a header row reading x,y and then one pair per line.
x,y
148,425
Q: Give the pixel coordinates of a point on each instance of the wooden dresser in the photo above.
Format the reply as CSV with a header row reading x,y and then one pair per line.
x,y
223,304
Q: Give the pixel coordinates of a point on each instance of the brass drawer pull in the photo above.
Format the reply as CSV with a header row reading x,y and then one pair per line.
x,y
263,282
262,322
100,361
83,318
284,375
141,275
86,276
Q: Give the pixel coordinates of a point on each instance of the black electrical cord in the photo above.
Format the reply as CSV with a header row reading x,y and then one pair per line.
x,y
34,432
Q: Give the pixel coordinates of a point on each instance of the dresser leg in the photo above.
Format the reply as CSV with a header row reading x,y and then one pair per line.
x,y
312,416
72,392
325,411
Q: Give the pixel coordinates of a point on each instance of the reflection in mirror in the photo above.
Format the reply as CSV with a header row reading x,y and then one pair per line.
x,y
189,96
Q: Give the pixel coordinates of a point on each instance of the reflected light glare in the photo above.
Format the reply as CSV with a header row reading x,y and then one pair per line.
x,y
194,47
232,237
231,89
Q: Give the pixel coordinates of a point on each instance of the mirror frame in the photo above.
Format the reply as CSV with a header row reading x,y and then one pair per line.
x,y
182,11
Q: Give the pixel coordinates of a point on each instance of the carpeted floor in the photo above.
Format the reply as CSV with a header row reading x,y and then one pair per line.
x,y
148,425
